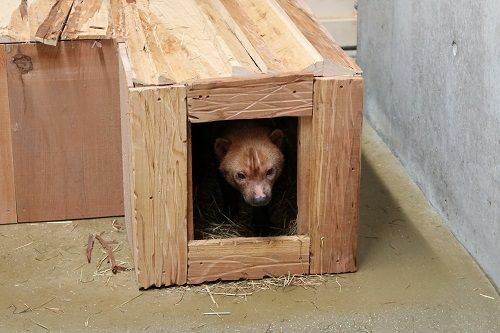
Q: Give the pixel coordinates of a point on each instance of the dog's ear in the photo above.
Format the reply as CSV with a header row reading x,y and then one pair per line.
x,y
276,137
221,147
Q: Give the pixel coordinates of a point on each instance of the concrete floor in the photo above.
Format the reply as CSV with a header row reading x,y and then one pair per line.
x,y
413,277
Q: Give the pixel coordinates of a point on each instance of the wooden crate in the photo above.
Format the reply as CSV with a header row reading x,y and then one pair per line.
x,y
252,58
284,66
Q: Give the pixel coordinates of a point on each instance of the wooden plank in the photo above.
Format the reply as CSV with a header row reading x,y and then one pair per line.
x,y
64,104
173,41
335,174
159,184
7,190
256,97
190,192
125,118
336,61
249,258
240,59
282,47
14,24
51,28
304,151
89,19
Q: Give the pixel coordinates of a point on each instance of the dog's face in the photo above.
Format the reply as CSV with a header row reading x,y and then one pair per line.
x,y
252,168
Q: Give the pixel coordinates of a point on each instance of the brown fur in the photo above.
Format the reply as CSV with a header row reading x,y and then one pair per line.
x,y
251,160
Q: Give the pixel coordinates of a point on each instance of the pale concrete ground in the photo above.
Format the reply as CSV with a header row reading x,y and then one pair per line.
x,y
413,277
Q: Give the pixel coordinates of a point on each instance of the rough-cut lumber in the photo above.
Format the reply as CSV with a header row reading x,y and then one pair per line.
x,y
65,130
244,61
172,41
90,19
51,28
250,258
335,60
335,174
305,146
280,45
125,82
14,25
256,97
7,190
158,155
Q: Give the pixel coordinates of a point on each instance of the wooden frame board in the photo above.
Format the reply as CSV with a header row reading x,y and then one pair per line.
x,y
248,258
155,146
8,211
335,174
262,96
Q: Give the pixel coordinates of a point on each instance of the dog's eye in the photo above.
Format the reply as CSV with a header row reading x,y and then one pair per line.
x,y
240,176
270,172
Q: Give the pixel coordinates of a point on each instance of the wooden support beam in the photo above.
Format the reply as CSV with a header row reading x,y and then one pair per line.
x,y
8,212
305,146
263,96
335,174
156,160
249,258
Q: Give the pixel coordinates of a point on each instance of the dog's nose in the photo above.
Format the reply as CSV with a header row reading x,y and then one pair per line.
x,y
261,200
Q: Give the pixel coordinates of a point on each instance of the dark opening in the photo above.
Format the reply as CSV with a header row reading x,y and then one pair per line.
x,y
219,209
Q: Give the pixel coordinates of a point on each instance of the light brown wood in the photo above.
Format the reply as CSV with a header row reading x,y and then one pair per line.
x,y
256,97
89,19
14,25
190,190
249,258
240,59
51,28
336,61
125,82
335,174
304,149
64,106
158,157
7,190
281,48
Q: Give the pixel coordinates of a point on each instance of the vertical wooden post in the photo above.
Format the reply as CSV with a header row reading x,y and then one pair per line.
x,y
8,212
304,149
335,173
157,149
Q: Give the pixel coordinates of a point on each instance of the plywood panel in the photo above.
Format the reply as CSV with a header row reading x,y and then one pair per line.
x,y
64,105
7,191
256,97
335,174
158,157
249,258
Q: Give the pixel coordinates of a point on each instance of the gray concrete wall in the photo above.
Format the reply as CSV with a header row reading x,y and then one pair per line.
x,y
432,71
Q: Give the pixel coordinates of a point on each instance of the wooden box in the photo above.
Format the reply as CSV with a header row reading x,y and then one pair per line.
x,y
167,64
225,60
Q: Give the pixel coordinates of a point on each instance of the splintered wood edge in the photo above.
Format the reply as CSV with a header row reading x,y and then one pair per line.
x,y
125,62
260,96
249,258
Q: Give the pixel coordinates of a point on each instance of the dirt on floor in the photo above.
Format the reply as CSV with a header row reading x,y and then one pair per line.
x,y
413,277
